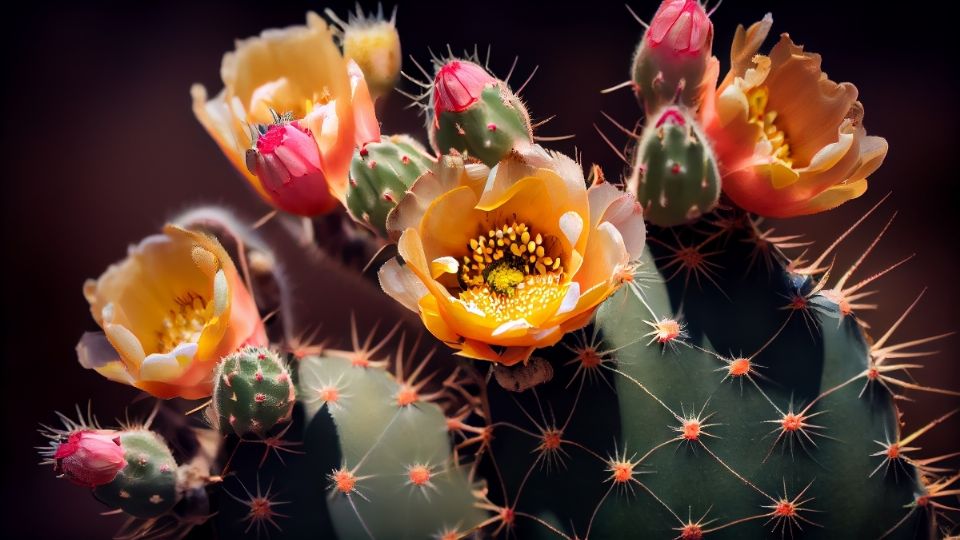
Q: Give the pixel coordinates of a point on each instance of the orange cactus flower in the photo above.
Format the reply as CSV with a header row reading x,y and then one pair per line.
x,y
169,312
501,262
289,116
789,141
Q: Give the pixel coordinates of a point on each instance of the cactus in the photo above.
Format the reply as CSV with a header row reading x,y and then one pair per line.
x,y
474,113
147,486
380,174
397,476
732,415
675,176
252,391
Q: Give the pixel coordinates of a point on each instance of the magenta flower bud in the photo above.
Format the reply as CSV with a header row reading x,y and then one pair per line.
x,y
90,458
681,26
670,64
458,85
289,165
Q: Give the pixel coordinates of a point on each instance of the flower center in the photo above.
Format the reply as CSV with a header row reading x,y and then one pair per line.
x,y
184,323
511,272
759,115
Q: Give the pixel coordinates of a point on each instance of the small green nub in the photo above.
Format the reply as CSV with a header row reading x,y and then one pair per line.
x,y
147,486
380,175
675,175
487,130
252,391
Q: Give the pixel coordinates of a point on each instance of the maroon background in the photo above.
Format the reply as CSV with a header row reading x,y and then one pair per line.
x,y
100,147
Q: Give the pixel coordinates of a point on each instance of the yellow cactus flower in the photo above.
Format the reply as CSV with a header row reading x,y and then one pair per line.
x,y
169,312
289,116
789,141
373,42
501,262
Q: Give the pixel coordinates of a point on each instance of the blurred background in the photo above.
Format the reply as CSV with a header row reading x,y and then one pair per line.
x,y
101,148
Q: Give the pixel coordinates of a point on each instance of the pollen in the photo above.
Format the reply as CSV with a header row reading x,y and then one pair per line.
x,y
739,367
511,272
184,323
767,120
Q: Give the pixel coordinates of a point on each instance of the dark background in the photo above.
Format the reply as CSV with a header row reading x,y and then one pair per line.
x,y
100,147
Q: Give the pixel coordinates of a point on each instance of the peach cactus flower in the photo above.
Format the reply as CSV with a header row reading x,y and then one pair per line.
x,y
501,262
294,76
169,312
789,141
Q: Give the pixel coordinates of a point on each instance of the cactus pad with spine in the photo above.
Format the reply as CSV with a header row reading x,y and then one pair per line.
x,y
380,174
760,420
397,478
147,486
675,173
487,130
252,391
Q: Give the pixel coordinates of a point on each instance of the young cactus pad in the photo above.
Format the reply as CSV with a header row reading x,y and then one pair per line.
x,y
252,391
675,175
380,174
147,486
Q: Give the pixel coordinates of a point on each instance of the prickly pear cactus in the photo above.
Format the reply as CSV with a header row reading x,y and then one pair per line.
x,y
675,175
398,477
147,486
380,174
252,391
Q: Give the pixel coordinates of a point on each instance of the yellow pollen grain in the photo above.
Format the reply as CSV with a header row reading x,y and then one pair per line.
x,y
183,324
509,273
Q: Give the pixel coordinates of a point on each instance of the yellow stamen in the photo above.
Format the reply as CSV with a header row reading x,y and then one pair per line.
x,y
758,99
510,272
184,324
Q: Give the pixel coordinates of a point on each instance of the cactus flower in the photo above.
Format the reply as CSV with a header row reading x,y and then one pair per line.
x,y
672,58
294,75
789,141
374,44
90,458
501,262
169,312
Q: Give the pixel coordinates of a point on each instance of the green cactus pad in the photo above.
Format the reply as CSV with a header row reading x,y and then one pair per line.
x,y
701,424
147,486
397,478
380,174
675,173
252,391
487,130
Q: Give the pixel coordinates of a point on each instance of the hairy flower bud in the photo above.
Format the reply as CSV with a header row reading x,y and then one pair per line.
x,y
458,85
90,458
680,26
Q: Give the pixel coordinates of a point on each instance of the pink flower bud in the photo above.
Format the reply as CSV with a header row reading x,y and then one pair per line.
x,y
682,26
289,165
458,86
90,458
